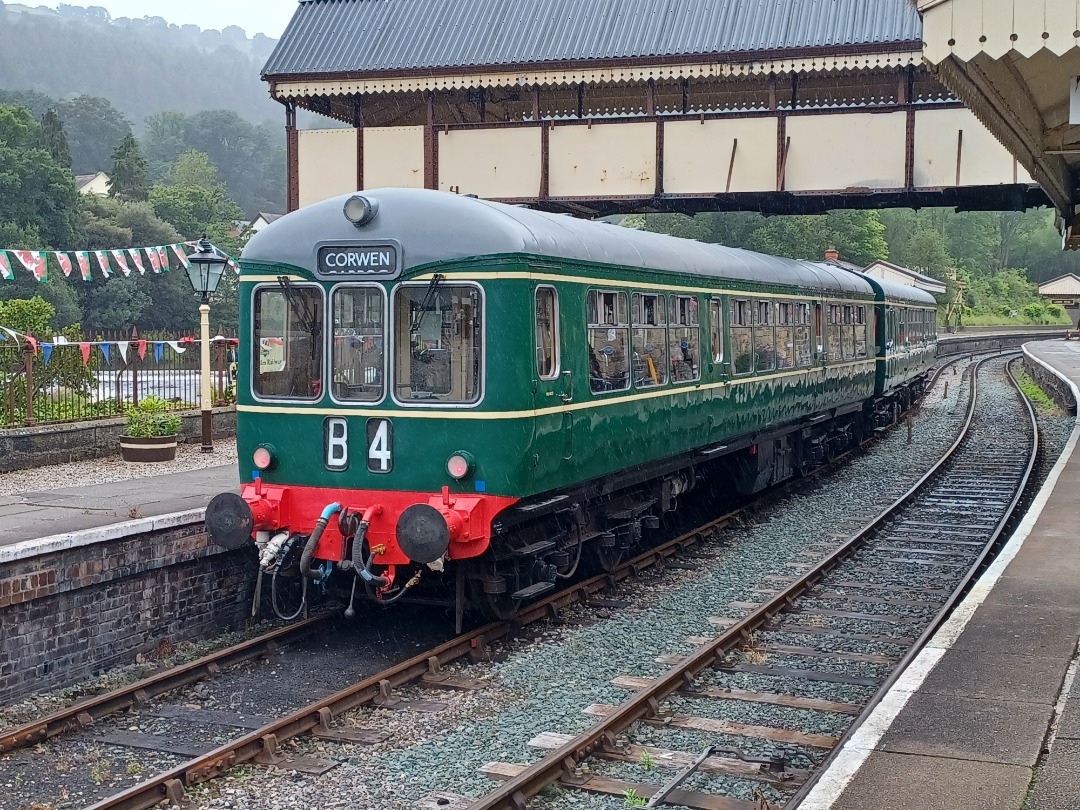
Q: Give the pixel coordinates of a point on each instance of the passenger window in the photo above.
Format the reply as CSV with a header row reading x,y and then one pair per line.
x,y
650,346
742,338
902,337
764,339
357,353
716,325
860,331
438,348
546,314
684,339
785,335
803,353
847,333
288,342
835,354
608,327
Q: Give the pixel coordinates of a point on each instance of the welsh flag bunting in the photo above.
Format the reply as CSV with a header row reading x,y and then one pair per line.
x,y
82,258
103,262
181,255
155,259
34,261
64,261
121,261
137,258
5,267
163,257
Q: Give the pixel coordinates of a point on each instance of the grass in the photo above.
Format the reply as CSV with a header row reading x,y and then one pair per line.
x,y
1032,390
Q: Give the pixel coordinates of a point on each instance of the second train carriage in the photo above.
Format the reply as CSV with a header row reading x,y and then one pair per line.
x,y
442,387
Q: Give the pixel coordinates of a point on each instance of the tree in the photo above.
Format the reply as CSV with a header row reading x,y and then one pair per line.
x,y
194,200
53,140
94,127
128,178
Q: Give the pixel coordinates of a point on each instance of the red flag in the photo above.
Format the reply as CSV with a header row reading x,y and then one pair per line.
x,y
85,349
142,347
65,263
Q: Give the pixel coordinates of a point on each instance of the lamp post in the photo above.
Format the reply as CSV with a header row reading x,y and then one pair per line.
x,y
205,268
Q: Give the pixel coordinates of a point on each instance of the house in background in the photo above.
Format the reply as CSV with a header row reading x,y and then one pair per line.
x,y
262,220
887,271
95,184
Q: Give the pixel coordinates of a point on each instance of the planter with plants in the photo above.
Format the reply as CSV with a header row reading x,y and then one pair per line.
x,y
151,431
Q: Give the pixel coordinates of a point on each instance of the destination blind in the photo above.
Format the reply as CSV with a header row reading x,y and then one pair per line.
x,y
364,260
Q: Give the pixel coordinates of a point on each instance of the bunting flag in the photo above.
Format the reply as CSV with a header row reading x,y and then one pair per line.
x,y
105,351
176,347
46,351
142,348
34,261
65,264
82,258
136,257
103,262
121,261
10,332
85,349
37,261
123,346
158,347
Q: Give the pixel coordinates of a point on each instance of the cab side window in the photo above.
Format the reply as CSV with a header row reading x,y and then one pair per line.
x,y
546,313
609,338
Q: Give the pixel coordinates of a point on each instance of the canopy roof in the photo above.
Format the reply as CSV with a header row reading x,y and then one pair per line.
x,y
383,36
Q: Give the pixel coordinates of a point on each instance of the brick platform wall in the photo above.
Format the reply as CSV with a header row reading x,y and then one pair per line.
x,y
68,614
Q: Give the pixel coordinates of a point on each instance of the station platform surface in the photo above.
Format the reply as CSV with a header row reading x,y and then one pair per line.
x,y
31,516
988,716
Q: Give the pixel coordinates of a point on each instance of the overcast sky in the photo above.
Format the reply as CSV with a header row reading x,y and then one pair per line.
x,y
255,16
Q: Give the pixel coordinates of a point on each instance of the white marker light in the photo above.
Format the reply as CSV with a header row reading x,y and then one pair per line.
x,y
459,465
262,458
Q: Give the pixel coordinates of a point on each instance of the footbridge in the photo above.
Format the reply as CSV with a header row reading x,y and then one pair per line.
x,y
617,106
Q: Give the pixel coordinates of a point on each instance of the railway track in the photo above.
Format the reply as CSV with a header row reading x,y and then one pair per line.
x,y
262,745
944,528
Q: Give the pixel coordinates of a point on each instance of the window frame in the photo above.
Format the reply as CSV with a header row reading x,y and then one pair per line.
x,y
659,299
674,323
627,327
254,360
447,281
556,345
745,321
386,342
716,330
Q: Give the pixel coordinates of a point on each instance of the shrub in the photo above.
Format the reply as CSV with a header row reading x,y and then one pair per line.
x,y
151,417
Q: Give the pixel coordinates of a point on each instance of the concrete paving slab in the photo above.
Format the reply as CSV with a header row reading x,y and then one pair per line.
x,y
41,514
1001,731
1057,783
1055,583
1069,722
903,782
1011,629
994,676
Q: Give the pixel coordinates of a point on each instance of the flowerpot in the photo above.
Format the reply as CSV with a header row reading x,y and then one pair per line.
x,y
148,448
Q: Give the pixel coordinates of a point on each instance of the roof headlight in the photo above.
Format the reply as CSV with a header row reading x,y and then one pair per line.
x,y
459,465
360,210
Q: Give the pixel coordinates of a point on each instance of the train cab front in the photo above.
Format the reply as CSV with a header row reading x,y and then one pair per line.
x,y
385,540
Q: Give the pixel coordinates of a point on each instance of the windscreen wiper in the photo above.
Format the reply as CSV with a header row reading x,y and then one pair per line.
x,y
429,299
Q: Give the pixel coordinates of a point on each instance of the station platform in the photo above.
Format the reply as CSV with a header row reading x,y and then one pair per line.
x,y
81,515
987,717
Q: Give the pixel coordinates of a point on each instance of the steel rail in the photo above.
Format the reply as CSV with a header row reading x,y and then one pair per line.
x,y
86,712
562,762
942,615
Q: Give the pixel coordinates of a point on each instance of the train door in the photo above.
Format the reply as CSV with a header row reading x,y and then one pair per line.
x,y
554,428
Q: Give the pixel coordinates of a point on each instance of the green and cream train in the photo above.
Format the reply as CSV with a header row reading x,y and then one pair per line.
x,y
437,387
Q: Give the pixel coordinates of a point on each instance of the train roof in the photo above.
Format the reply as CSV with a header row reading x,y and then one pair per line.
x,y
433,226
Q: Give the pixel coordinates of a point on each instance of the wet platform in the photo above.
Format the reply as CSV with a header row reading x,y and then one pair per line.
x,y
988,716
81,515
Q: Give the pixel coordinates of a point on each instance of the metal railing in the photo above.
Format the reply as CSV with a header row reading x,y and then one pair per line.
x,y
58,379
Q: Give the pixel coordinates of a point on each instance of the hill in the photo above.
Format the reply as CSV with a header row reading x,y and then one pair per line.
x,y
142,66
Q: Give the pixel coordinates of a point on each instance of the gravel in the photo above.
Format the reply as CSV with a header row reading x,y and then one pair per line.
x,y
113,468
